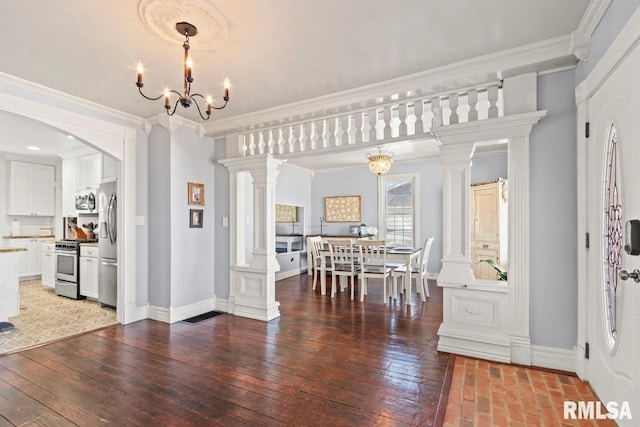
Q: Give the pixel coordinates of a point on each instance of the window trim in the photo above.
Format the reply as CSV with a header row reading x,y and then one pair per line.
x,y
382,203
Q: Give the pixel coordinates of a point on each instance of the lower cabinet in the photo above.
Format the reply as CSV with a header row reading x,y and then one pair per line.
x,y
89,271
29,263
49,265
289,264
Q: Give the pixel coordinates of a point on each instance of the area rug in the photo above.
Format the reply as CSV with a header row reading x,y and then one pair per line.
x,y
45,317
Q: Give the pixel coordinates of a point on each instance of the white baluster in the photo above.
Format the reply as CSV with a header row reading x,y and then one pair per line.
x,y
386,117
252,144
304,138
291,141
418,111
436,109
339,132
357,135
315,134
472,98
280,142
242,145
325,133
402,116
453,105
261,142
492,94
373,121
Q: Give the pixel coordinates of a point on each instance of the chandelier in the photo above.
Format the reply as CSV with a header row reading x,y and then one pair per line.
x,y
380,163
186,98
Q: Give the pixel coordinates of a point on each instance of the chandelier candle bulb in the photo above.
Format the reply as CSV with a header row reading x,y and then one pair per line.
x,y
227,85
140,69
189,67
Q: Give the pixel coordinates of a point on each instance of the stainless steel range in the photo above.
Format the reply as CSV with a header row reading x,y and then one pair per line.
x,y
68,267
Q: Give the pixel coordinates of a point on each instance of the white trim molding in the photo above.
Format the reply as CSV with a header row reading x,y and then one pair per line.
x,y
553,358
592,16
186,311
498,312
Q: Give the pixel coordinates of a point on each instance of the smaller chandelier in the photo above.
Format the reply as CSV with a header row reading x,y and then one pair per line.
x,y
186,98
380,163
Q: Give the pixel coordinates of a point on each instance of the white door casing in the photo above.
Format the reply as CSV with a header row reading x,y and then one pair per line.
x,y
612,322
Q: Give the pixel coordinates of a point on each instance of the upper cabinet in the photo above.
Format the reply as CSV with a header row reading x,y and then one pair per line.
x,y
109,168
89,171
69,167
31,189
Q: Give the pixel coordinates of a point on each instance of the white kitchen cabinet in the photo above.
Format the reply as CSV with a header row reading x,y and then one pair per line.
x,y
89,171
49,265
109,168
31,189
488,228
89,271
69,169
28,263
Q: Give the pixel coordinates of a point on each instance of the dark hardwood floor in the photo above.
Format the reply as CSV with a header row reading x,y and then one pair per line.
x,y
324,362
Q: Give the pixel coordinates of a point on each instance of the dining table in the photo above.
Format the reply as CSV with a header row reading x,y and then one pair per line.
x,y
406,255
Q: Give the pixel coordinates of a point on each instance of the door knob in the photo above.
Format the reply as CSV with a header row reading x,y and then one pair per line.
x,y
635,275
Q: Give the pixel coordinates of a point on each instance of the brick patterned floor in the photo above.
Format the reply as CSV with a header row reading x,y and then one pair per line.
x,y
494,394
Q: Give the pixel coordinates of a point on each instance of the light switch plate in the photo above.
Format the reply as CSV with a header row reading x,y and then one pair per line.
x,y
139,220
225,221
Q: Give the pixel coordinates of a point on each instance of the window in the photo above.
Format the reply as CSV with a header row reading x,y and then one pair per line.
x,y
398,206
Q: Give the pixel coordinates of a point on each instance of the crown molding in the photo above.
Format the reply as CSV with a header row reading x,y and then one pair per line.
x,y
172,123
39,91
535,57
592,16
623,44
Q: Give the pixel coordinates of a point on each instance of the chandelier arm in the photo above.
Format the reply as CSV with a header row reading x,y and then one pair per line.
x,y
220,108
175,106
198,107
148,97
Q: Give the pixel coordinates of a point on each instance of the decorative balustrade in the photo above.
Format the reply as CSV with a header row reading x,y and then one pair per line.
x,y
387,122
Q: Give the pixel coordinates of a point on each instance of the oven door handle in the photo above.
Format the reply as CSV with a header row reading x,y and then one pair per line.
x,y
115,264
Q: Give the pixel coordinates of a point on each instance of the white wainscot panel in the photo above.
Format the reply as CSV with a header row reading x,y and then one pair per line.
x,y
476,311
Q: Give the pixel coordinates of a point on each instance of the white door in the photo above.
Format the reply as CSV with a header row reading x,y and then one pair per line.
x,y
613,197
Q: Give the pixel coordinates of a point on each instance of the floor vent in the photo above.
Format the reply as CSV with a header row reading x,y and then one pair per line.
x,y
204,316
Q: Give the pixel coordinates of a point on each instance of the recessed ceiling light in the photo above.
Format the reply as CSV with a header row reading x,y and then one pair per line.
x,y
71,137
33,147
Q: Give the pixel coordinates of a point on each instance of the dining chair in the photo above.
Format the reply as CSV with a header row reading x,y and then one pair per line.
x,y
343,263
419,273
373,265
316,245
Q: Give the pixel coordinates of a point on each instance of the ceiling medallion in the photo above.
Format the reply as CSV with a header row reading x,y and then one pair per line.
x,y
160,16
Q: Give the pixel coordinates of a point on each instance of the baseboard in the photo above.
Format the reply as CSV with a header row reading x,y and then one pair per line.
x,y
161,314
223,304
133,313
287,274
187,311
553,358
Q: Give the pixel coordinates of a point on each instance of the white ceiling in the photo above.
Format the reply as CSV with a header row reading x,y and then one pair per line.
x,y
277,51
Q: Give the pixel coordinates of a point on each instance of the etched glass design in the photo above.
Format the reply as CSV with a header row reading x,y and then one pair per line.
x,y
613,236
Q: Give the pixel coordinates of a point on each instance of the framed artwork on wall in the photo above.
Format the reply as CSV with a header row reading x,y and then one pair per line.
x,y
286,213
342,209
195,218
196,194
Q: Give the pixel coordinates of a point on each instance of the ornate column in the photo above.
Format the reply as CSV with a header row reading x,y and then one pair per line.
x,y
456,182
252,287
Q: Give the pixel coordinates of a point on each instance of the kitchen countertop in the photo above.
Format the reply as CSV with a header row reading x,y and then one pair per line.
x,y
90,244
34,236
6,250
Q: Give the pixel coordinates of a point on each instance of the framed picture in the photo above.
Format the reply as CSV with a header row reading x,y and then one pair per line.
x,y
286,213
342,209
195,218
196,194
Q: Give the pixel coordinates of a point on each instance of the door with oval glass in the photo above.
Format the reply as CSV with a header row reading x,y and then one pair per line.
x,y
612,318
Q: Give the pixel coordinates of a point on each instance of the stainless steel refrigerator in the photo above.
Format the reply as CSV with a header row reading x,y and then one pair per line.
x,y
107,242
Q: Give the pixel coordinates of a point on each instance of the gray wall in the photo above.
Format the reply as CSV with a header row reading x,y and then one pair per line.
x,y
293,187
159,218
221,210
192,249
553,267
